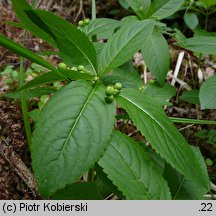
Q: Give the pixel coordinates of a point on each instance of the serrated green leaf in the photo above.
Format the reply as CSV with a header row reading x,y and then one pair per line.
x,y
78,191
158,93
153,123
105,185
164,8
102,27
191,20
191,96
132,171
70,135
156,55
207,93
122,46
181,188
140,7
126,77
74,46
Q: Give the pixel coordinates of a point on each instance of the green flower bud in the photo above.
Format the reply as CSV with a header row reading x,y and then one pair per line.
x,y
81,68
151,81
118,86
74,69
141,88
116,92
109,99
109,90
81,23
86,21
95,79
62,66
209,162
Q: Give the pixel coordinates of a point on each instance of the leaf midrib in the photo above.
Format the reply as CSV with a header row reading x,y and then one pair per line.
x,y
142,186
76,121
114,58
136,105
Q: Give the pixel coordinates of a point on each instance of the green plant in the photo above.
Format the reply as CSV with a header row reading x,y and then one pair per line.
x,y
75,129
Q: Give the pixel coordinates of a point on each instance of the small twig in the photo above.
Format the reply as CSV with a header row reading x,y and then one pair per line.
x,y
145,74
109,196
182,83
80,10
188,126
210,196
213,186
178,65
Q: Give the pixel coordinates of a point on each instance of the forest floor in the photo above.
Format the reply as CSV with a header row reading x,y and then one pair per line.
x,y
16,179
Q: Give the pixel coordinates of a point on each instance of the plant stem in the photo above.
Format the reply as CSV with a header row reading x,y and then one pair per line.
x,y
192,121
24,105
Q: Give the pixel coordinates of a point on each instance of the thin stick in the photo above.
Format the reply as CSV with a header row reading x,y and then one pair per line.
x,y
178,65
93,10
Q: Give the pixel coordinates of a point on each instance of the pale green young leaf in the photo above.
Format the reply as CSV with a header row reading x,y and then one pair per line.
x,y
153,123
60,155
156,55
132,171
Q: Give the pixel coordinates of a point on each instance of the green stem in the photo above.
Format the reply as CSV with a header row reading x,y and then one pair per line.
x,y
192,121
24,105
178,120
